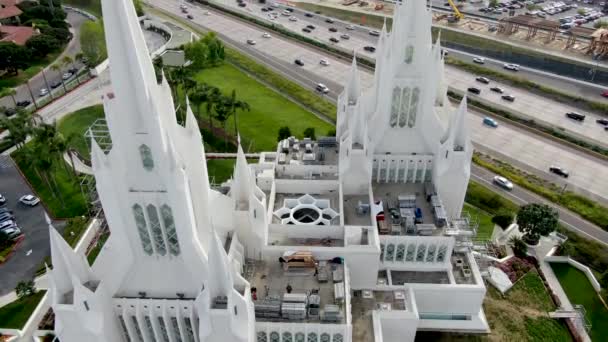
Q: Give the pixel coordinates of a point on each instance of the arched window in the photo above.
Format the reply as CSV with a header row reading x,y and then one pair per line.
x,y
262,336
400,252
167,215
411,250
142,229
338,338
441,253
146,157
430,255
275,337
325,337
390,252
381,252
395,107
157,231
312,337
287,337
300,337
405,106
413,107
409,54
421,252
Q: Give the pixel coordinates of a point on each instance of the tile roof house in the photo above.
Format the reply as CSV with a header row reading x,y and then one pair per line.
x,y
8,11
16,34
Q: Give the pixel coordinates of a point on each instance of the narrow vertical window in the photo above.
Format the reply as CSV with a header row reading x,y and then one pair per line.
x,y
409,54
163,329
142,229
413,107
167,215
146,157
157,232
405,105
395,107
125,331
175,325
189,329
149,328
140,336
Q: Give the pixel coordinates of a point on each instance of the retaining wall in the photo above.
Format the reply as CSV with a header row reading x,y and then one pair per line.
x,y
579,266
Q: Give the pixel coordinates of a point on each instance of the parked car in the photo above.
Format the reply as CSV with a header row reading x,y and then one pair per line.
x,y
299,62
5,210
483,80
55,84
559,171
2,200
602,122
497,90
324,62
369,49
374,33
251,42
43,92
490,122
24,103
509,98
12,232
6,216
7,224
8,112
322,88
333,29
292,18
474,90
66,76
479,60
29,200
575,116
512,67
503,182
334,40
345,36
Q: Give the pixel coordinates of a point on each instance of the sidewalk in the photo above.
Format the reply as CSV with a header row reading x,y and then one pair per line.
x,y
41,283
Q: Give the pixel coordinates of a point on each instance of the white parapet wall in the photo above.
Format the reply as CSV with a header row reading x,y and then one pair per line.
x,y
586,270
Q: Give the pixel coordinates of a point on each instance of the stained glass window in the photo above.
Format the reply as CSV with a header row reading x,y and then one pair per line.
x,y
157,231
167,215
142,229
146,157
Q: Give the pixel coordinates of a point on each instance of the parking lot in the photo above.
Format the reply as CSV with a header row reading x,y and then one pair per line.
x,y
35,246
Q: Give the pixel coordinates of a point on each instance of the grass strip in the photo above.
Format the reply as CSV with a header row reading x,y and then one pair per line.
x,y
14,315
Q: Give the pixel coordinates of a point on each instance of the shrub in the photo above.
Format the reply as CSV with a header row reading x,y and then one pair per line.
x,y
503,219
536,220
310,133
519,246
284,133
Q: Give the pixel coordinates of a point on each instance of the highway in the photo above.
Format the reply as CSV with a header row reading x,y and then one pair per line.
x,y
588,175
333,76
526,104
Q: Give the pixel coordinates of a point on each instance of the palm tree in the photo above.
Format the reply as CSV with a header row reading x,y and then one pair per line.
x,y
46,82
79,57
235,105
56,67
18,128
68,61
9,92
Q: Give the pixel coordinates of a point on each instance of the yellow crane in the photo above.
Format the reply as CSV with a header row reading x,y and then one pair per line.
x,y
457,14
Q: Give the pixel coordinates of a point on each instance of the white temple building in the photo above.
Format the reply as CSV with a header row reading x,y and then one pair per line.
x,y
357,237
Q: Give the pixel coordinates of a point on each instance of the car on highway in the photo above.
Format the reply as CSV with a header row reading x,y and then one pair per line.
x,y
206,13
184,10
503,182
43,92
251,42
474,90
374,33
345,36
299,62
512,67
2,200
497,90
350,27
312,27
264,9
190,16
322,88
605,93
479,60
292,18
306,29
334,40
309,15
369,49
29,200
55,84
265,35
603,122
483,80
333,29
509,98
23,103
329,20
242,4
575,116
286,13
324,62
560,171
490,122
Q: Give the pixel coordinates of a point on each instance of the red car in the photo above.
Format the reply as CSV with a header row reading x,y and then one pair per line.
x,y
605,93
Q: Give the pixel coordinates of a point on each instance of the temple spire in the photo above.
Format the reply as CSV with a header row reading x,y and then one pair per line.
x,y
221,280
352,87
242,182
460,129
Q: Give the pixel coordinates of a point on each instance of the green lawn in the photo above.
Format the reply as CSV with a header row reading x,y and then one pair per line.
x,y
76,124
521,315
91,6
220,170
92,256
70,201
579,291
269,110
13,81
15,314
486,226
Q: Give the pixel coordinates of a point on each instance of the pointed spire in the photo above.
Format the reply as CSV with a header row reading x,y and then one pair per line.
x,y
460,129
242,182
66,263
221,280
99,160
352,87
171,153
191,123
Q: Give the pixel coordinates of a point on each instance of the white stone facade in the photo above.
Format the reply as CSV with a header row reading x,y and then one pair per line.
x,y
367,226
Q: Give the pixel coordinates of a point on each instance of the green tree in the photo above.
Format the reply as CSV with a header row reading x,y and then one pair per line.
x,y
19,127
532,7
196,53
14,57
600,24
235,105
25,289
310,133
331,132
581,11
518,245
493,3
139,9
536,220
284,133
42,44
503,219
222,112
92,42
